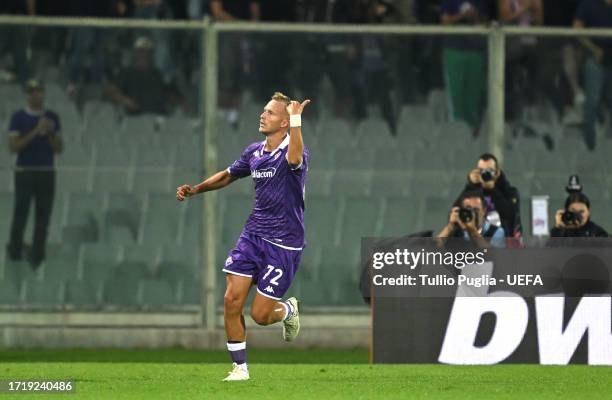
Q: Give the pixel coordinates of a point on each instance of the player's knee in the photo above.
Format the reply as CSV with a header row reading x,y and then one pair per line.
x,y
260,316
231,303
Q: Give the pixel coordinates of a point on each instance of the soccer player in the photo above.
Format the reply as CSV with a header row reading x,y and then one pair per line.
x,y
269,248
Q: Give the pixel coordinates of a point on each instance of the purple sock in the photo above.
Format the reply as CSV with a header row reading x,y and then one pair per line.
x,y
237,351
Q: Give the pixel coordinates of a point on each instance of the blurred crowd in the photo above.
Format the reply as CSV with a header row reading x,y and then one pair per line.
x,y
385,72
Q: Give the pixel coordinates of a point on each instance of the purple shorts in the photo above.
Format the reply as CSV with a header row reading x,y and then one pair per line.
x,y
271,266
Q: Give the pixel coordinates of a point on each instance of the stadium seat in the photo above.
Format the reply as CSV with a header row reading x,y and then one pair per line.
x,y
392,159
321,218
161,219
80,293
189,292
359,220
173,273
60,270
433,182
354,158
70,120
132,270
74,180
374,131
314,293
113,155
111,179
98,260
391,183
85,208
152,180
413,120
318,182
156,293
350,182
547,161
141,125
6,206
338,263
237,210
9,292
322,158
75,155
178,126
189,154
186,257
149,255
122,292
43,293
337,132
401,216
310,261
124,210
191,232
552,184
435,215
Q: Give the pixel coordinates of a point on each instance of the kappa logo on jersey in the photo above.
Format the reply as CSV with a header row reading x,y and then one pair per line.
x,y
276,156
228,261
269,289
263,173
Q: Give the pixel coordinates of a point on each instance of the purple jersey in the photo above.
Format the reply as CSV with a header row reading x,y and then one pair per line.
x,y
278,214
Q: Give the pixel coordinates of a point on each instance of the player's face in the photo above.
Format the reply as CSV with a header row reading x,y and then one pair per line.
x,y
273,118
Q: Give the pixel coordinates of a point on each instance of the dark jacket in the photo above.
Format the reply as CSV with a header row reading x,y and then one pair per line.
x,y
590,229
505,199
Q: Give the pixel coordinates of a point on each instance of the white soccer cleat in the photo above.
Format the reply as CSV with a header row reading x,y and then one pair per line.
x,y
238,373
291,326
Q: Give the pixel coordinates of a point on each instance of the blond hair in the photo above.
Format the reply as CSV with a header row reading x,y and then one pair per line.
x,y
278,96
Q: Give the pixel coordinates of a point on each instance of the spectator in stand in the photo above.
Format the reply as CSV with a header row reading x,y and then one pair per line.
x,y
558,63
522,54
34,137
464,61
598,64
140,88
14,38
271,74
235,55
90,42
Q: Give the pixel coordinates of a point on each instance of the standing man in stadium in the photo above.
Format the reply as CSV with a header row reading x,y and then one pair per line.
x,y
270,246
34,135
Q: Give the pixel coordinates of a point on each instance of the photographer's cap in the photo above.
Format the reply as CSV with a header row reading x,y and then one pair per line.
x,y
34,84
143,42
573,185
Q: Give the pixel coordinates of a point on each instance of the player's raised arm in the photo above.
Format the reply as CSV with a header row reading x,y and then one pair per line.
x,y
296,144
216,181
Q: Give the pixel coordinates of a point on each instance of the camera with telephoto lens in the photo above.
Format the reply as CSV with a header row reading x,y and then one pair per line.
x,y
487,175
466,214
571,218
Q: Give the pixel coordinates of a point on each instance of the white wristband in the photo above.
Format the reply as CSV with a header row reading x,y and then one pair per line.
x,y
295,120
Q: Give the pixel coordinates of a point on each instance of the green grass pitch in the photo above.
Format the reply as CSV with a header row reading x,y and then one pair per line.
x,y
292,374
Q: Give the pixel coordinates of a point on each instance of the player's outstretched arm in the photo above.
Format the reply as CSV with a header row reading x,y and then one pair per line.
x,y
217,181
296,143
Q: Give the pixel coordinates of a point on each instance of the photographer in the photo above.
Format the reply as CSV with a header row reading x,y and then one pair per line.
x,y
469,221
574,220
501,200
